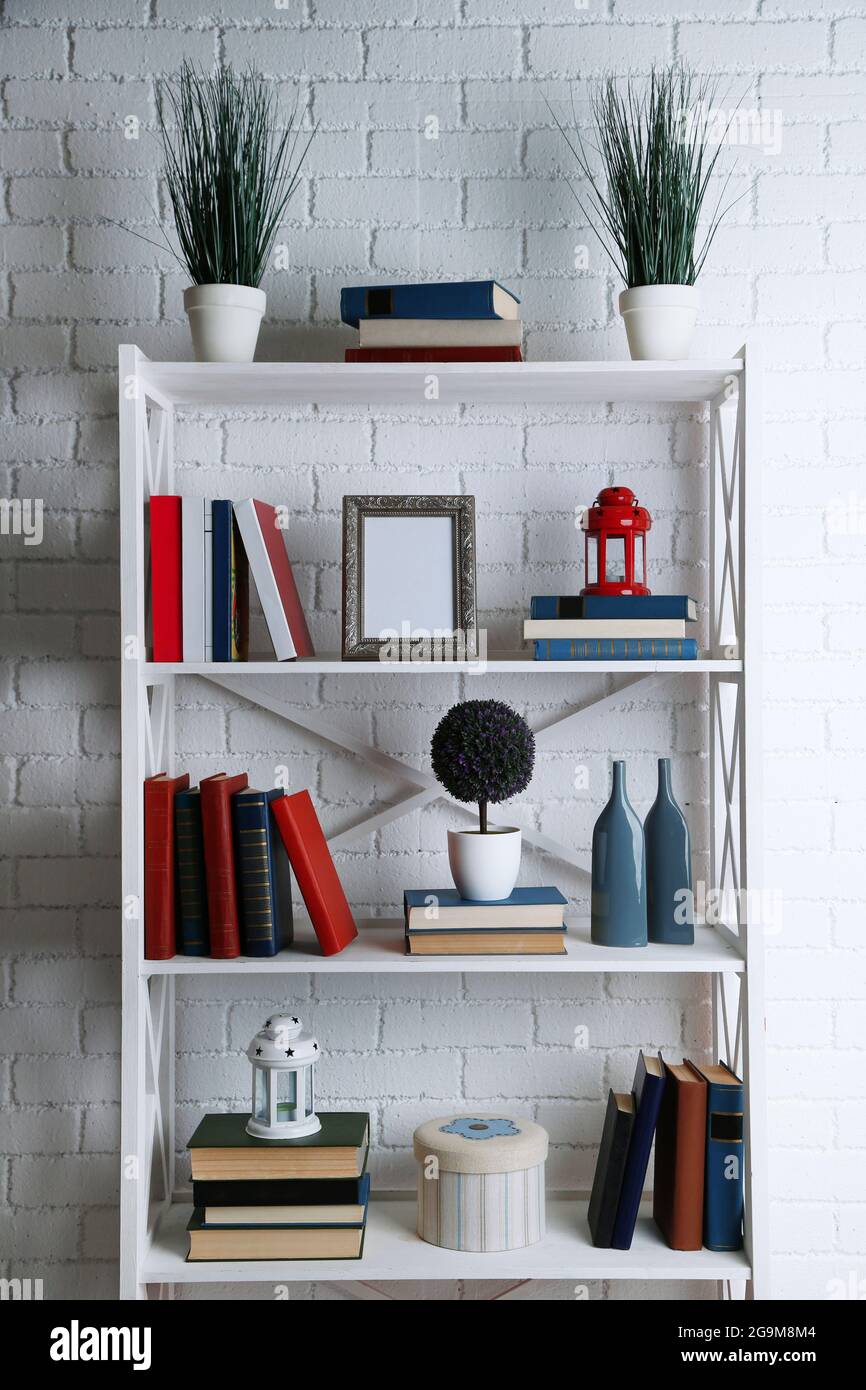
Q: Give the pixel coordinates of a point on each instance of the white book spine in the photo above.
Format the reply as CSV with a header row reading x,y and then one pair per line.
x,y
266,585
193,578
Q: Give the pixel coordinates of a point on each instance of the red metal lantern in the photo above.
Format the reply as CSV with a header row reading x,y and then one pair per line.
x,y
616,530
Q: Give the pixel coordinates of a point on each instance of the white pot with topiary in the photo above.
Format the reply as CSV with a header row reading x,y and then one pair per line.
x,y
648,178
483,751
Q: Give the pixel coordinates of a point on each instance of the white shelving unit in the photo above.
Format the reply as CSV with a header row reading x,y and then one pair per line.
x,y
730,952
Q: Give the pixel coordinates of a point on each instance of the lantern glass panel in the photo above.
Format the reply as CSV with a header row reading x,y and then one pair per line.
x,y
591,559
309,1105
287,1096
614,560
640,557
260,1105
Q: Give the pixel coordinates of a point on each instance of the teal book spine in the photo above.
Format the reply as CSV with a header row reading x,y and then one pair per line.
x,y
724,1183
262,871
616,649
192,928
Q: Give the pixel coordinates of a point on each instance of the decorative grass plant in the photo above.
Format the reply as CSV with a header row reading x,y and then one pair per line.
x,y
230,171
483,751
649,174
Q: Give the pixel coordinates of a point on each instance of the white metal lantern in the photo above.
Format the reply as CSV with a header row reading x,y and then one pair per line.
x,y
283,1058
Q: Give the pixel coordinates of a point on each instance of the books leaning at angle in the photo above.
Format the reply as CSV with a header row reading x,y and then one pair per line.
x,y
459,321
292,1199
596,627
438,922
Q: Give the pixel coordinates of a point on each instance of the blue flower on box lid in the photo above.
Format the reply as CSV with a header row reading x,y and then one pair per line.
x,y
474,1127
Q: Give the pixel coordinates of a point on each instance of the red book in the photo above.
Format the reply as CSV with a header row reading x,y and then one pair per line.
x,y
314,869
265,544
166,590
435,354
219,862
159,929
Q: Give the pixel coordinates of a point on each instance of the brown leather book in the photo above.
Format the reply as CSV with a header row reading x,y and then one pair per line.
x,y
219,862
678,1186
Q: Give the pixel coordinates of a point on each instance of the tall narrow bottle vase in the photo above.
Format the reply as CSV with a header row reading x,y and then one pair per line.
x,y
670,902
618,871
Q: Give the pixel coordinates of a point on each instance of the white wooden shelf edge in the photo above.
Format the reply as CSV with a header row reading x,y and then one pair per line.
x,y
334,665
379,948
393,1250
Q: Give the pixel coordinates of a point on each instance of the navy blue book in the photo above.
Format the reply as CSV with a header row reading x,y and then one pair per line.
x,y
649,1083
262,874
230,586
724,1181
192,927
602,606
457,299
443,909
616,649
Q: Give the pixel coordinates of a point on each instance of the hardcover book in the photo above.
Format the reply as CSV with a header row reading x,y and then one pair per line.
x,y
230,587
598,606
189,861
222,1150
194,567
265,545
466,299
610,1167
534,628
439,333
294,1213
252,1192
273,1242
442,354
649,1081
262,871
166,587
616,649
219,863
678,1175
314,869
159,867
443,909
486,943
724,1178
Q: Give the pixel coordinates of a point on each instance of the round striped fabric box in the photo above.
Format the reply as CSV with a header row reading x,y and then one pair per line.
x,y
480,1182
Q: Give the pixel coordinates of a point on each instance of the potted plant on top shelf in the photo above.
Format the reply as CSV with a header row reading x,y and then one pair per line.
x,y
647,188
230,173
483,751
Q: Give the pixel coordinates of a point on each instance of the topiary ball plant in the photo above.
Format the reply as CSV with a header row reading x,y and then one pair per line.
x,y
483,751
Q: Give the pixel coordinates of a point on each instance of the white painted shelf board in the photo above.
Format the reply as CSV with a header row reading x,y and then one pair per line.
x,y
227,385
331,664
379,948
392,1250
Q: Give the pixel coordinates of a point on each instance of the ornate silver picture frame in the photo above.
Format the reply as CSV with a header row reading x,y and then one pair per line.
x,y
409,578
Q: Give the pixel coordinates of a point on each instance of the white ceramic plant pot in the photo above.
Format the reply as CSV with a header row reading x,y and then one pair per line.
x,y
659,321
484,867
224,321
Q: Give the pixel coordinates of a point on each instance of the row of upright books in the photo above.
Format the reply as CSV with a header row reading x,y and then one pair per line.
x,y
279,1199
216,870
459,321
602,627
695,1114
438,922
202,552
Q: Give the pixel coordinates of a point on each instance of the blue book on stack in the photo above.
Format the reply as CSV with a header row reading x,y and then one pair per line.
x,y
262,872
458,299
607,606
616,649
649,1083
724,1182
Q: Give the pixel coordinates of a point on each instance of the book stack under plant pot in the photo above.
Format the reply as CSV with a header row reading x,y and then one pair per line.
x,y
459,321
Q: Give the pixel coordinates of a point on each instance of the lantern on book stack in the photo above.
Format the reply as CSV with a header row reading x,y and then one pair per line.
x,y
615,527
283,1058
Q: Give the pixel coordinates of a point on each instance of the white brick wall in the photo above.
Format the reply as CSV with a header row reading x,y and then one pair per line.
x,y
378,199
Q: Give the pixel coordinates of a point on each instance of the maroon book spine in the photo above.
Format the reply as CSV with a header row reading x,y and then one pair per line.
x,y
159,883
219,863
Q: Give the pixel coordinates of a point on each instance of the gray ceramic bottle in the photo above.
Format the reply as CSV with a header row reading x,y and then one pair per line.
x,y
670,904
618,871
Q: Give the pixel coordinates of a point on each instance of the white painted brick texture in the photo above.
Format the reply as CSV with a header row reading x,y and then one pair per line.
x,y
378,199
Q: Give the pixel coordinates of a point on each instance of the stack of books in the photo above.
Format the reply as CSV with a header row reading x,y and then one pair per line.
x,y
598,627
216,870
695,1114
279,1199
201,554
459,321
439,922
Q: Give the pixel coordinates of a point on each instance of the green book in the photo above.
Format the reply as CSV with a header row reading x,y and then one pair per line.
x,y
274,1243
221,1148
